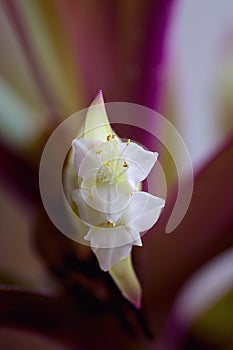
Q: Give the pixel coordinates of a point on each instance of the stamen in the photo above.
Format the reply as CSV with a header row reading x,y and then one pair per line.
x,y
105,173
123,171
125,164
121,155
111,224
127,144
110,137
99,151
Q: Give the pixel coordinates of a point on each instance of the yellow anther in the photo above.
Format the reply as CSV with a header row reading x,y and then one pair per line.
x,y
110,137
99,151
106,163
125,164
128,142
111,224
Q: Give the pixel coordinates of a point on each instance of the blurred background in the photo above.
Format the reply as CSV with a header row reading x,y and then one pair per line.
x,y
174,56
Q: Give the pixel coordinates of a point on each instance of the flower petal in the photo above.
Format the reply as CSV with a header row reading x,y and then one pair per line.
x,y
109,200
91,155
111,256
108,258
97,125
140,162
125,278
143,211
85,158
89,215
113,199
112,237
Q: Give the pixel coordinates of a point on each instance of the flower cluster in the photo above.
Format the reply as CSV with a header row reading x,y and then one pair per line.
x,y
108,198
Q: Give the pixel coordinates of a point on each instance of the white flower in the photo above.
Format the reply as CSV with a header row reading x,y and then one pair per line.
x,y
108,196
108,200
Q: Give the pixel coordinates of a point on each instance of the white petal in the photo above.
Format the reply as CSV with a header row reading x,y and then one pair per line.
x,y
89,215
85,158
144,211
91,155
97,125
126,279
140,162
109,257
112,237
111,200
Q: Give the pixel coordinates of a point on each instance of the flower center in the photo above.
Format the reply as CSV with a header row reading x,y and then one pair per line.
x,y
108,224
112,170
